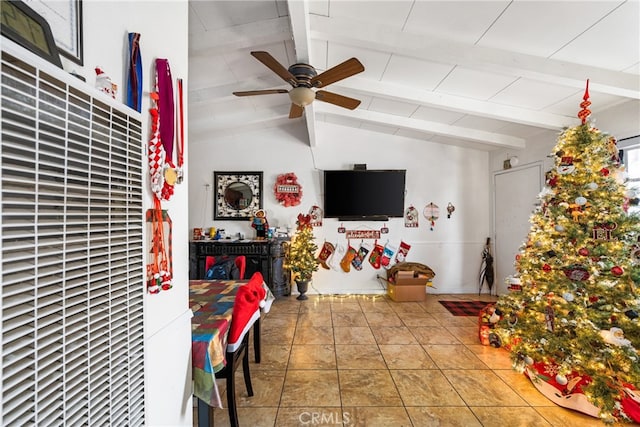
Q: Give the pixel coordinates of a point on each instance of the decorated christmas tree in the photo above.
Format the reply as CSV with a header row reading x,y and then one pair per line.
x,y
571,323
300,257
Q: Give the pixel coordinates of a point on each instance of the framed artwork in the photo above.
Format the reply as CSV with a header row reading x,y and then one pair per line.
x,y
65,19
238,195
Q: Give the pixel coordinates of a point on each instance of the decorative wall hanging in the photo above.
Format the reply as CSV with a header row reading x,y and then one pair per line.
x,y
403,251
134,76
180,169
238,195
341,229
384,229
160,256
287,190
316,216
362,234
432,213
450,209
411,217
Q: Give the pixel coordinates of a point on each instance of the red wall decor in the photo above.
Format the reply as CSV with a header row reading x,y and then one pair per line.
x,y
287,190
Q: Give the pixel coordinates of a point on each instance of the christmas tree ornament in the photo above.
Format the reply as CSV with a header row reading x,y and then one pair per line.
x,y
581,201
583,251
592,186
576,272
387,255
411,217
376,255
361,254
431,212
615,336
528,360
568,297
450,209
631,314
617,271
604,172
345,263
401,255
325,253
559,228
546,268
566,166
561,379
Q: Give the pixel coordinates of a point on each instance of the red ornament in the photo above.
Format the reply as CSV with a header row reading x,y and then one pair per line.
x,y
546,268
593,298
583,251
553,181
617,271
287,190
517,257
604,172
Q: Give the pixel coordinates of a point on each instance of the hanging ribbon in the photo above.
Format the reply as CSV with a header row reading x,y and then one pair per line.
x,y
134,81
180,147
159,275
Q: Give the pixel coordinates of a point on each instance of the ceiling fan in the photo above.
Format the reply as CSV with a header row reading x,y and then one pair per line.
x,y
304,78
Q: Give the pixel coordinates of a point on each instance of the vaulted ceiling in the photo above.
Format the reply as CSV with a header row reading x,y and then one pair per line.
x,y
483,74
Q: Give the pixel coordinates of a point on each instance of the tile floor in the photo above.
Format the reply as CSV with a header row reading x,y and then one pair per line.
x,y
369,361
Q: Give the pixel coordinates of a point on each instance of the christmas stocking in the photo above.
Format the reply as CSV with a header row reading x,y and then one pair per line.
x,y
387,255
335,260
364,249
325,253
402,252
376,254
345,264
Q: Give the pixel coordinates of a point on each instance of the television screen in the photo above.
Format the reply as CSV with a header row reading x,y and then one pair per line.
x,y
364,194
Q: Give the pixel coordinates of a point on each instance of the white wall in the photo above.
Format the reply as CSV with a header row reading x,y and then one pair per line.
x,y
163,28
435,173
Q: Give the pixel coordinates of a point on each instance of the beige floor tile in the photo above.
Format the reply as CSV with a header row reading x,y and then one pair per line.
x,y
433,335
315,318
393,335
512,417
360,356
310,416
267,387
444,416
368,388
310,388
276,334
406,357
407,307
375,318
482,388
465,334
312,356
376,305
418,319
353,335
425,387
272,356
563,417
348,305
308,334
366,416
494,358
447,319
348,318
454,357
523,386
255,417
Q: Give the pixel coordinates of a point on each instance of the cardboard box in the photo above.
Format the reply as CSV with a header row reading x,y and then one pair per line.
x,y
401,293
411,278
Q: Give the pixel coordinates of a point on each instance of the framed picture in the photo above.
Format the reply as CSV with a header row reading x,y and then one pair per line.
x,y
65,19
238,195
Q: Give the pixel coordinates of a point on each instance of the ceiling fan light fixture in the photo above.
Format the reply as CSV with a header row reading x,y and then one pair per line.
x,y
302,96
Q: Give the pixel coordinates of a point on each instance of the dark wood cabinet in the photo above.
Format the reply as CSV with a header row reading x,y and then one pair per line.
x,y
265,256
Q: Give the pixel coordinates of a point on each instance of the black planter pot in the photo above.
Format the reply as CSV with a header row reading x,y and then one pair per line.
x,y
303,286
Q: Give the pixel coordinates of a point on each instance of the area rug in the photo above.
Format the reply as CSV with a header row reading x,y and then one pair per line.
x,y
464,308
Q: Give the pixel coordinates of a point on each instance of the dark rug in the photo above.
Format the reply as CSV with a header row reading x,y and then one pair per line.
x,y
464,308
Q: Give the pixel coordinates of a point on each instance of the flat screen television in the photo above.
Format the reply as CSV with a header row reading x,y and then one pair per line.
x,y
372,195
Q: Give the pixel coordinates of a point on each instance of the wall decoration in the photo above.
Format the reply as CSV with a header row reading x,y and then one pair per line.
x,y
411,217
341,229
160,256
238,195
432,213
450,209
384,229
287,190
316,216
362,234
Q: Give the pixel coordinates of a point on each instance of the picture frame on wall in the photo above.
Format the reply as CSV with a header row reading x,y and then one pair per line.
x,y
65,19
237,196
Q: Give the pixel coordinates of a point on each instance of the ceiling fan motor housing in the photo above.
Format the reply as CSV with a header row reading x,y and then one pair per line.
x,y
303,74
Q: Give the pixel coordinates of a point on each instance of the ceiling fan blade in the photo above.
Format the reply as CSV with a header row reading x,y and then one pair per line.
x,y
275,66
339,100
341,71
295,111
260,92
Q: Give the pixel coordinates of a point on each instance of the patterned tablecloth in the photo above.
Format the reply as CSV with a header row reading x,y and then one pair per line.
x,y
212,306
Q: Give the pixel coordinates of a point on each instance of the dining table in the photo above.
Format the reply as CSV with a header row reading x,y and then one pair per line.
x,y
211,302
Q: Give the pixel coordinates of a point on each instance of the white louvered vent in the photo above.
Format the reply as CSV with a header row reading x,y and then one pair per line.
x,y
70,251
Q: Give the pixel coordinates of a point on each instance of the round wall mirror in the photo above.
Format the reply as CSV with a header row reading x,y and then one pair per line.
x,y
238,195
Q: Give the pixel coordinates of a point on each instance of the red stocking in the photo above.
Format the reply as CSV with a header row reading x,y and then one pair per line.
x,y
402,252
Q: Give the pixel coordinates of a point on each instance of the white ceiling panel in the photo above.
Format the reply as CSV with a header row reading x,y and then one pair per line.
x,y
612,43
525,27
474,84
423,75
460,21
480,74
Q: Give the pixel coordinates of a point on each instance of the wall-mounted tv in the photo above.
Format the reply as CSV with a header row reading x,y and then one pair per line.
x,y
372,195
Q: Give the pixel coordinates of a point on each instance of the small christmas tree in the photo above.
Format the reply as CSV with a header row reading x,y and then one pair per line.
x,y
572,325
300,258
